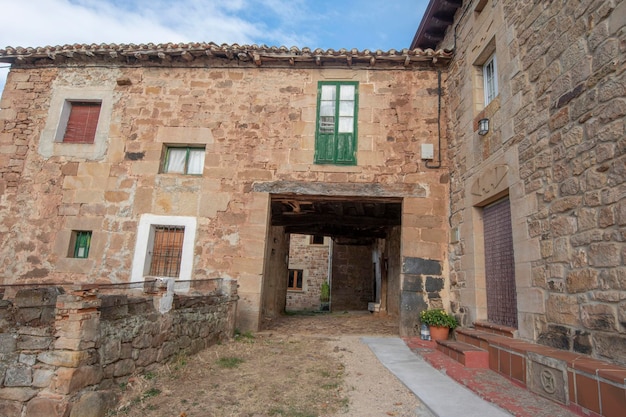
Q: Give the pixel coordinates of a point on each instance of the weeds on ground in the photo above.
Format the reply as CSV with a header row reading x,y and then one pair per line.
x,y
247,336
229,362
290,413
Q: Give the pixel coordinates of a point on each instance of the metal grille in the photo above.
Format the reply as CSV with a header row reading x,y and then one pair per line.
x,y
499,264
167,251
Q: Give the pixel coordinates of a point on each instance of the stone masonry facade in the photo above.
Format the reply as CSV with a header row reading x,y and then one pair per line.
x,y
312,259
557,148
63,352
256,122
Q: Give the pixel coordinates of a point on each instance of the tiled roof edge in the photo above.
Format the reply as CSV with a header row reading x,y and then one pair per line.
x,y
190,51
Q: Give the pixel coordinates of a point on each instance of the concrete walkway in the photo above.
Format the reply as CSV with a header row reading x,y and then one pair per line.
x,y
441,394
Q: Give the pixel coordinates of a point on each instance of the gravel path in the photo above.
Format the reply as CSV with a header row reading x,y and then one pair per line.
x,y
373,391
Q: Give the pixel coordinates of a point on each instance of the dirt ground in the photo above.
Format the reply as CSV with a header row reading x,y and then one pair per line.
x,y
302,366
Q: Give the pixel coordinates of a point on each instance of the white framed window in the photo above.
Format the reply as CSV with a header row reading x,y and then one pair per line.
x,y
174,237
490,79
187,160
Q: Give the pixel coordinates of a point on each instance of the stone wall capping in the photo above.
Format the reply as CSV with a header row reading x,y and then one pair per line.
x,y
173,54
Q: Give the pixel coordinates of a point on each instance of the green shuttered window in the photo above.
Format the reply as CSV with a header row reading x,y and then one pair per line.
x,y
81,242
336,131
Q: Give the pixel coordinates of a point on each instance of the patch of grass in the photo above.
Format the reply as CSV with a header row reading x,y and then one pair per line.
x,y
334,385
149,376
230,362
245,336
291,413
152,392
123,386
180,361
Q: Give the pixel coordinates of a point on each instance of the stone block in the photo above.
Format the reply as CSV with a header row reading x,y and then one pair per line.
x,y
8,343
42,377
26,342
48,407
413,283
604,254
146,357
27,359
563,309
70,380
411,303
419,266
610,345
110,350
114,307
18,376
65,358
21,394
582,280
94,404
547,377
10,408
599,317
124,367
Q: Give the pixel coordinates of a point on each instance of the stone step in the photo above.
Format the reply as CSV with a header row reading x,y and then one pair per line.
x,y
496,329
478,338
468,355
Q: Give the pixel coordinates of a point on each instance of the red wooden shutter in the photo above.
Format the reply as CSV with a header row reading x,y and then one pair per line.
x,y
82,123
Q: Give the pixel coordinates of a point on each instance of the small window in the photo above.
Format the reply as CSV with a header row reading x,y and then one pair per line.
x,y
167,250
82,122
490,80
336,131
184,160
317,240
80,243
295,279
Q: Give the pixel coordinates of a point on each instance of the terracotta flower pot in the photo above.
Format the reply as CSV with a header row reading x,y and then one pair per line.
x,y
439,333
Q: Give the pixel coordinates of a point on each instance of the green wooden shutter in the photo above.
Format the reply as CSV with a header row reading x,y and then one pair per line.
x,y
335,140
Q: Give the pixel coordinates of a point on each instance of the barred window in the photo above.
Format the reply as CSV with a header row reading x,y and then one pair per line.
x,y
167,251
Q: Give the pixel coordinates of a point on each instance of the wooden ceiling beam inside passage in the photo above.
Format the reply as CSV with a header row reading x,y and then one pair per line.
x,y
347,217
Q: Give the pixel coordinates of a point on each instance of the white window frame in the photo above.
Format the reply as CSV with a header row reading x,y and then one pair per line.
x,y
145,239
490,84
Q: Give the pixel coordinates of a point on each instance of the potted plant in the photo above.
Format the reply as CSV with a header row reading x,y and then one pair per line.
x,y
439,323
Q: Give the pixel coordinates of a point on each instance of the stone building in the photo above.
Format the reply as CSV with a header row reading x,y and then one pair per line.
x,y
309,257
536,108
122,163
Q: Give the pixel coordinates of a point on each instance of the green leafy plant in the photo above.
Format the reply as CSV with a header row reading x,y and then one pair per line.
x,y
325,292
438,317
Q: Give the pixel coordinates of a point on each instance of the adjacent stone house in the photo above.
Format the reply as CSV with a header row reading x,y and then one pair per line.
x,y
536,105
183,162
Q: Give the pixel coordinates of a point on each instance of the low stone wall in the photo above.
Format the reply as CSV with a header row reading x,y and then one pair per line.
x,y
60,351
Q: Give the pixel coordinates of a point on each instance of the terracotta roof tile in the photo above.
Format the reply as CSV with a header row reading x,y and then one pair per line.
x,y
155,54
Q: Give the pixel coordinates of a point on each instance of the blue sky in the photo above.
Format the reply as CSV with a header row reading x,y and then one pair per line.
x,y
361,24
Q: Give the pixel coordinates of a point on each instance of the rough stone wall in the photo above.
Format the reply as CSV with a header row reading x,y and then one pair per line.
x,y
258,125
313,261
352,284
50,363
557,147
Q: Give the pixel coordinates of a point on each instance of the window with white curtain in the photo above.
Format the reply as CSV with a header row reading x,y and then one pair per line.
x,y
490,79
184,160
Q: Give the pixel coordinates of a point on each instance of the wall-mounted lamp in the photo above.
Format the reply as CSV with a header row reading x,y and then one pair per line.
x,y
483,127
